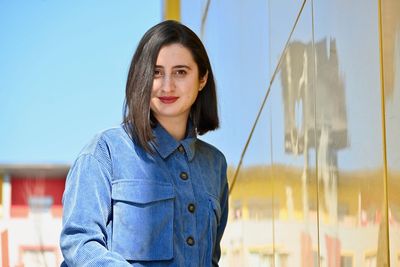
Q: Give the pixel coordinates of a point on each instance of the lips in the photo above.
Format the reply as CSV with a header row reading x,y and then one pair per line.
x,y
168,99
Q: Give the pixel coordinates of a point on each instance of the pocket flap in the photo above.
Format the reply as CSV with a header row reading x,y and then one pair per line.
x,y
142,191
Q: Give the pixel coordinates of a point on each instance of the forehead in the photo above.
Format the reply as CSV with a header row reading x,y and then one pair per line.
x,y
173,54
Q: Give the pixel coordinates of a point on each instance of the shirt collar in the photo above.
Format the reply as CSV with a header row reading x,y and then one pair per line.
x,y
165,144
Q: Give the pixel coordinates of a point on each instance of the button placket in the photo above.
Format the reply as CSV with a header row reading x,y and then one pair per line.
x,y
185,188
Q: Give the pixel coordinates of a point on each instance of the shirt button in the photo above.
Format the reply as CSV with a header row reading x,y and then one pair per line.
x,y
190,241
184,176
181,149
191,208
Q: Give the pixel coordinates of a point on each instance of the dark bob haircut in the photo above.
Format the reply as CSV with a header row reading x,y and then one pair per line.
x,y
138,119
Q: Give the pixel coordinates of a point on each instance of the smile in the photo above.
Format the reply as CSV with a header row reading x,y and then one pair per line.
x,y
168,99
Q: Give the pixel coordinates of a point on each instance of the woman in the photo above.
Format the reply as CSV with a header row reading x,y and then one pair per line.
x,y
149,193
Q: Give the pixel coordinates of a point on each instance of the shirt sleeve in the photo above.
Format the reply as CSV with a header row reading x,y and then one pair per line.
x,y
86,213
224,219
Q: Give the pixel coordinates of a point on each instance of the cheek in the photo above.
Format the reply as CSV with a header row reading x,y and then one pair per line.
x,y
194,96
156,86
153,107
153,98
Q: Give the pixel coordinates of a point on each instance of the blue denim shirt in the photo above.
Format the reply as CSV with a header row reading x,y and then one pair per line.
x,y
126,207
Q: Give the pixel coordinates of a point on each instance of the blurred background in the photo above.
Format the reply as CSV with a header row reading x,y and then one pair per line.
x,y
309,99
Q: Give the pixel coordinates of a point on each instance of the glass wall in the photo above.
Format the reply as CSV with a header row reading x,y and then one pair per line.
x,y
349,140
293,145
312,111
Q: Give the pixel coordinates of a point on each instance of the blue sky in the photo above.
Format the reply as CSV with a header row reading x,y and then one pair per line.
x,y
63,71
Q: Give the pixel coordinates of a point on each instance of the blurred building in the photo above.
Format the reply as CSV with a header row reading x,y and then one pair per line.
x,y
31,211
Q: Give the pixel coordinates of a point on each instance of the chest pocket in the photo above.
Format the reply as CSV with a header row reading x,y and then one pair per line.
x,y
143,215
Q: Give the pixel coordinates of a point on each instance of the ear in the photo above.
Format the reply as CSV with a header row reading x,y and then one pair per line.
x,y
203,81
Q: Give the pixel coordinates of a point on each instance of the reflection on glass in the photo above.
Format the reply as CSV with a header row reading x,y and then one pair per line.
x,y
301,133
311,189
248,240
294,159
331,136
349,135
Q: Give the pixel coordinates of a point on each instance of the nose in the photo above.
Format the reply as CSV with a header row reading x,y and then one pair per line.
x,y
168,84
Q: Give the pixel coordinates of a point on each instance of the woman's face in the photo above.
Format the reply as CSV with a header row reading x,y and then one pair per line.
x,y
176,84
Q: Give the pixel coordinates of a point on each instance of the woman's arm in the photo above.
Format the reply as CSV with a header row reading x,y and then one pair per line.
x,y
87,209
224,218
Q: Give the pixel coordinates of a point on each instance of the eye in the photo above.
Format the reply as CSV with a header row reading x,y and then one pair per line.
x,y
180,72
157,73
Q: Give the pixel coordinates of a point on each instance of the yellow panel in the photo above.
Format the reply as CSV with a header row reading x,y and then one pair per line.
x,y
391,83
172,10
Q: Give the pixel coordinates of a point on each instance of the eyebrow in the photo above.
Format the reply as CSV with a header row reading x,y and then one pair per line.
x,y
175,67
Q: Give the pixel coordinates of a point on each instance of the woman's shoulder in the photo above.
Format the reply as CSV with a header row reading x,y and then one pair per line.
x,y
105,140
208,148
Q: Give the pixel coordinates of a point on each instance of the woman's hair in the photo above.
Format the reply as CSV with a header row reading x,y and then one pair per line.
x,y
138,119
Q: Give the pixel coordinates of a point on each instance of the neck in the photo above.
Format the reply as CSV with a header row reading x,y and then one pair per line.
x,y
176,128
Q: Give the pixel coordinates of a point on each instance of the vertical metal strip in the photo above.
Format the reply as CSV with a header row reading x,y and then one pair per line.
x,y
172,10
204,19
315,125
272,170
385,176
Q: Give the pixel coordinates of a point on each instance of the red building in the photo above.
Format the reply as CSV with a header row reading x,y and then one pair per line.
x,y
30,213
